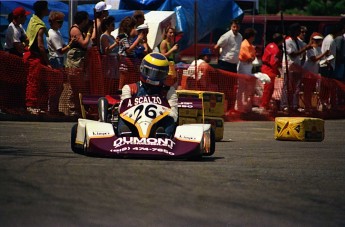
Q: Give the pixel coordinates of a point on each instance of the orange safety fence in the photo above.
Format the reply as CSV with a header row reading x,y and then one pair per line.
x,y
106,74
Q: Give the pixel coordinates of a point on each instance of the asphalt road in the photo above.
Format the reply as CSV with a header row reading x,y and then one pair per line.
x,y
252,180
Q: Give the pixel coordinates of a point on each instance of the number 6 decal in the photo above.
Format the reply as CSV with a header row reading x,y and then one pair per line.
x,y
150,111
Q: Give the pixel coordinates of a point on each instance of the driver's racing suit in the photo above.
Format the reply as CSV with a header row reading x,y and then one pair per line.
x,y
141,89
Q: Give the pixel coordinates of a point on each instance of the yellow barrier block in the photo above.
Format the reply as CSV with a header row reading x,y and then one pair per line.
x,y
299,128
186,120
185,112
213,102
217,124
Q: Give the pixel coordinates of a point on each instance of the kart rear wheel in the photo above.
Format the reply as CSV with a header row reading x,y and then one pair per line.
x,y
74,147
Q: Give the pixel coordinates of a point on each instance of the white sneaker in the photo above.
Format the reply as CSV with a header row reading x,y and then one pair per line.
x,y
34,111
259,110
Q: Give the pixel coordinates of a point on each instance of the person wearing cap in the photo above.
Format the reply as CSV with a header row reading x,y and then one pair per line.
x,y
16,39
101,12
143,48
313,57
36,56
204,70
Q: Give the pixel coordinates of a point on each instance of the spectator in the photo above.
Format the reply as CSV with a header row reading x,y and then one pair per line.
x,y
301,38
56,45
16,39
129,64
139,17
76,58
101,12
109,45
168,47
311,64
230,43
143,48
127,30
292,82
57,49
246,87
76,55
271,65
340,54
36,56
314,54
205,72
327,87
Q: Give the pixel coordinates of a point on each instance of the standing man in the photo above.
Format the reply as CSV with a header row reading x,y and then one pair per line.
x,y
36,56
230,43
292,82
301,38
205,72
16,39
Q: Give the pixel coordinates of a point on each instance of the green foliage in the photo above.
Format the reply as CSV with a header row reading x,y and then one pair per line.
x,y
303,7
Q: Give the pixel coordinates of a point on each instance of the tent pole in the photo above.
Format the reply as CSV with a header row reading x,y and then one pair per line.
x,y
73,5
195,39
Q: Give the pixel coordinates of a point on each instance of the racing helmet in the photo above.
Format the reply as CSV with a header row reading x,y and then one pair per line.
x,y
154,69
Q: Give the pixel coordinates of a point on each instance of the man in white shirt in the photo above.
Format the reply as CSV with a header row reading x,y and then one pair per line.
x,y
292,82
230,43
16,39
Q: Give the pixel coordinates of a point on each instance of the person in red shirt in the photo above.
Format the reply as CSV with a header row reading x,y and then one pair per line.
x,y
271,65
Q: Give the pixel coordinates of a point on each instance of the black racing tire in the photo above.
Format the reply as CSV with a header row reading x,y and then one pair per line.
x,y
74,148
213,142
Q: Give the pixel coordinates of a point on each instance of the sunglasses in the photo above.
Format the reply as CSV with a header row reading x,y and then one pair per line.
x,y
59,21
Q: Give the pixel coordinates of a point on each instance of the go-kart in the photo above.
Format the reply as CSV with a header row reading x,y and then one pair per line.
x,y
91,137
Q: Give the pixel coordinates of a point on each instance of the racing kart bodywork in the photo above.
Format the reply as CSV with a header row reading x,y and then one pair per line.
x,y
101,137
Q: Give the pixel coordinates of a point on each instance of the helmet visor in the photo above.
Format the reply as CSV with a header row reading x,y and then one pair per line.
x,y
153,75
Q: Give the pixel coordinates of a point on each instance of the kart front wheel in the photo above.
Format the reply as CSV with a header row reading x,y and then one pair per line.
x,y
212,143
75,148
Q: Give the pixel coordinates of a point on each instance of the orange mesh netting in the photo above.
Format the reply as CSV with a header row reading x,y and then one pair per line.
x,y
106,74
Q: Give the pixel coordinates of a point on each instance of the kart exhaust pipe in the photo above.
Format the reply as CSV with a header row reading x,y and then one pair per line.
x,y
103,109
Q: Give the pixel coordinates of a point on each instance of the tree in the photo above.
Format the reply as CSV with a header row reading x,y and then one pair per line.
x,y
303,7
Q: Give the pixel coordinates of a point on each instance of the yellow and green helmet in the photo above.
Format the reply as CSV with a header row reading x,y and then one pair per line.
x,y
154,69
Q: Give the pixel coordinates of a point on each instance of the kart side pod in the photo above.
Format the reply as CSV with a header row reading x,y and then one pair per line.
x,y
200,133
88,129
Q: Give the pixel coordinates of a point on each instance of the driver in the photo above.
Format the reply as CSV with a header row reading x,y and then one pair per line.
x,y
154,70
